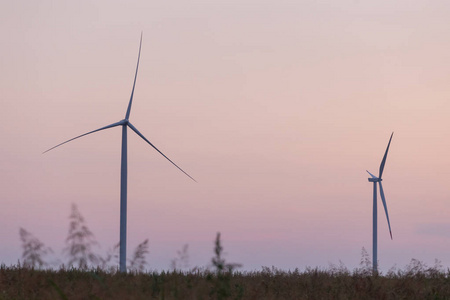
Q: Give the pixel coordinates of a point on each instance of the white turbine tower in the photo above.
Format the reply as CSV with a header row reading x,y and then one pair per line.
x,y
378,179
123,171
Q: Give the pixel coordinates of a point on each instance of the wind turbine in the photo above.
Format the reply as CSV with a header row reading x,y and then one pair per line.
x,y
123,171
378,179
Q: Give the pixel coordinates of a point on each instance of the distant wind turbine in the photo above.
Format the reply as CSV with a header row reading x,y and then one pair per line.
x,y
123,171
378,179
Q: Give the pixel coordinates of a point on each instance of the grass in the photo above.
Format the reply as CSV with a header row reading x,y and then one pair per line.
x,y
26,283
222,281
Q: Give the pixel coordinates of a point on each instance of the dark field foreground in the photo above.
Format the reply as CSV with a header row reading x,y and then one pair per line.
x,y
23,283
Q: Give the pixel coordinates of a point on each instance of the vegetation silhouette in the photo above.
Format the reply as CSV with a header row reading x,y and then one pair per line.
x,y
138,262
415,281
34,251
79,250
90,276
181,262
80,242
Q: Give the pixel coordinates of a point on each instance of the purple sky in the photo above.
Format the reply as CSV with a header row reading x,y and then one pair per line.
x,y
277,108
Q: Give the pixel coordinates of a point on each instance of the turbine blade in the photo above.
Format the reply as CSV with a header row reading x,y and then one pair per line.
x,y
373,176
384,157
106,127
143,137
385,207
134,83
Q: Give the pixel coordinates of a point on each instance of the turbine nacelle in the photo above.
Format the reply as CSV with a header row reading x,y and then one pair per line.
x,y
375,179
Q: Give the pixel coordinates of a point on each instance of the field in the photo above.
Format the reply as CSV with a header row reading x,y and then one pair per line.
x,y
336,283
34,279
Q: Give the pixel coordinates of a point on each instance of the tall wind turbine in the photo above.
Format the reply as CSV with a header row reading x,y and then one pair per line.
x,y
378,179
123,171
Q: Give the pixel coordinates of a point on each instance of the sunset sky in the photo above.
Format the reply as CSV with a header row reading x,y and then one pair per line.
x,y
276,108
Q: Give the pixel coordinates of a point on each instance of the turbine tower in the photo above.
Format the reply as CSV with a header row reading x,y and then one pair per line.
x,y
123,170
378,180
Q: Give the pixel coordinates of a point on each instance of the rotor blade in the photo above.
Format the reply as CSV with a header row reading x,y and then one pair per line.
x,y
384,157
106,127
134,84
143,137
385,207
373,176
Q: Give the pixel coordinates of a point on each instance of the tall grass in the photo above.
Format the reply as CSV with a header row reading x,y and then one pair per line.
x,y
221,280
18,282
79,250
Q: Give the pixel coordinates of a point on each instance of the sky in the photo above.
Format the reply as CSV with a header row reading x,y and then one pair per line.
x,y
276,108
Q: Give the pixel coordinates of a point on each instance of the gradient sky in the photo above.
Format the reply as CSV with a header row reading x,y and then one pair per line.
x,y
277,108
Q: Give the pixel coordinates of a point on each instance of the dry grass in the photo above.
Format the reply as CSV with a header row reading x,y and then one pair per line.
x,y
416,281
24,283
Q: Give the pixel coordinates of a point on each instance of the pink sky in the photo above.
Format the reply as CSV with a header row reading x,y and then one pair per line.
x,y
277,108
